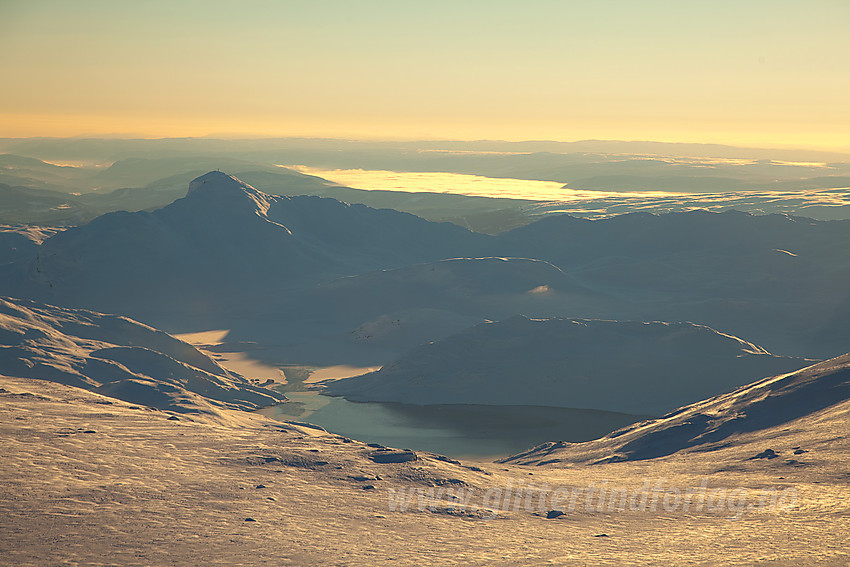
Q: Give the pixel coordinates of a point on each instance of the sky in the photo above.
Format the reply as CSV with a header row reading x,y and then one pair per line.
x,y
743,72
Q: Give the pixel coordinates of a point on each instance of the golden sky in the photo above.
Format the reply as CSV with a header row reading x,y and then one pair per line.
x,y
749,72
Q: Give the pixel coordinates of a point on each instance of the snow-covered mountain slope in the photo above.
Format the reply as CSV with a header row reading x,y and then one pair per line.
x,y
811,405
118,357
19,243
629,367
224,248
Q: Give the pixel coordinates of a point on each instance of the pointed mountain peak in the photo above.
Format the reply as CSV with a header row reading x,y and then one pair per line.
x,y
224,193
218,182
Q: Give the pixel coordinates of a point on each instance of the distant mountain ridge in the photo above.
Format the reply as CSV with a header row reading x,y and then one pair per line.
x,y
223,247
641,368
227,251
775,279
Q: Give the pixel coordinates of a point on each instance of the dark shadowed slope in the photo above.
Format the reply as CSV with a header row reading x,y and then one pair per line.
x,y
20,242
569,240
778,280
228,251
224,248
374,317
819,393
628,367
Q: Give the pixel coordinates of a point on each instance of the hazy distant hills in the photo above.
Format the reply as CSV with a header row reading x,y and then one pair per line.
x,y
810,405
33,173
629,367
27,205
612,177
111,149
566,162
32,191
224,248
36,192
118,357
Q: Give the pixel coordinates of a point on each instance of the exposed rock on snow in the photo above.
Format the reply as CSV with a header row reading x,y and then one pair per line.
x,y
390,456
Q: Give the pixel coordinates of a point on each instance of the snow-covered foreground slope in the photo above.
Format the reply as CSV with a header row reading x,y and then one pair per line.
x,y
119,357
88,480
629,367
815,399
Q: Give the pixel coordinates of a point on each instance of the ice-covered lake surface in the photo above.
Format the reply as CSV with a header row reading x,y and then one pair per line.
x,y
456,430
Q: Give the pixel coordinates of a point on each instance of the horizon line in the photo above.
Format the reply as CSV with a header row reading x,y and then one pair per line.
x,y
387,139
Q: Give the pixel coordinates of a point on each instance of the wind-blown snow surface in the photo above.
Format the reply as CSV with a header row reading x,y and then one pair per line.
x,y
88,480
629,367
119,357
770,408
224,248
